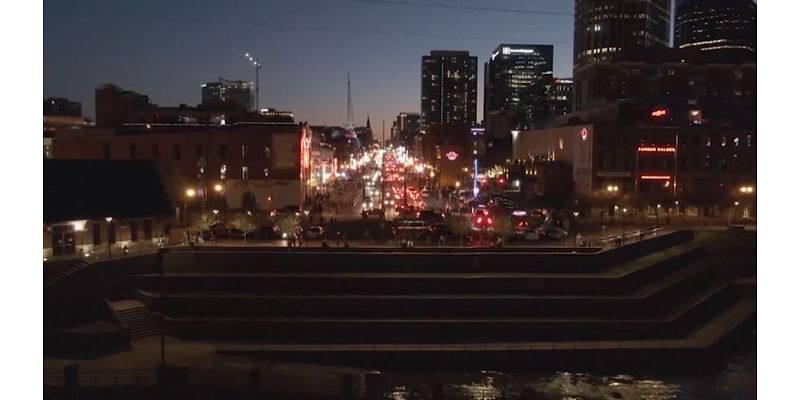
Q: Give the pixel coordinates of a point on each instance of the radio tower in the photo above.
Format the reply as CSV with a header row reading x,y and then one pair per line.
x,y
349,125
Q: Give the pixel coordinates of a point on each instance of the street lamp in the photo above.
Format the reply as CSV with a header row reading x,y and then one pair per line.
x,y
190,193
624,214
658,208
108,233
218,188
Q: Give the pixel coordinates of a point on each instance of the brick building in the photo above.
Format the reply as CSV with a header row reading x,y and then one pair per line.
x,y
240,166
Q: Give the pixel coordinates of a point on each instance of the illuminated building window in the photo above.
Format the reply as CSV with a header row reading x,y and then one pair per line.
x,y
244,152
223,170
245,174
267,152
708,142
736,141
266,172
749,140
724,141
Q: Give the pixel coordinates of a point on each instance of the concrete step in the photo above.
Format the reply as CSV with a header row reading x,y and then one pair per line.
x,y
683,319
650,300
611,282
260,260
695,347
135,316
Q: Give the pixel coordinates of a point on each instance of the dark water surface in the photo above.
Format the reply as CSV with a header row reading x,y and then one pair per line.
x,y
735,379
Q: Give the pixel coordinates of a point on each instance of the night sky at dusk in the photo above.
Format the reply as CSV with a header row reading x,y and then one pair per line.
x,y
166,49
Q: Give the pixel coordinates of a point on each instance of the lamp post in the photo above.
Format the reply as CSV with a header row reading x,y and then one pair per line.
x,y
624,214
190,193
257,65
658,208
108,233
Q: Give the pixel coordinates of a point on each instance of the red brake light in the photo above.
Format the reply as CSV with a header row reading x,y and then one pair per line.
x,y
489,221
480,220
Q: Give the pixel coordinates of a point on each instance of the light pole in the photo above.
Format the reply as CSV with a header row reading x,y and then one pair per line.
x,y
257,65
658,208
624,214
190,193
108,233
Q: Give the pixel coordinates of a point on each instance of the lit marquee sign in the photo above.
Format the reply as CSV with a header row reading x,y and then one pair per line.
x,y
451,155
657,149
656,177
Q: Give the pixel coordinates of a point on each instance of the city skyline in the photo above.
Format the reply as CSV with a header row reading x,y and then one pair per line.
x,y
305,76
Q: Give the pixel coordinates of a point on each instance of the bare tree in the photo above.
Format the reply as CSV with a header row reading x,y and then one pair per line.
x,y
244,222
288,223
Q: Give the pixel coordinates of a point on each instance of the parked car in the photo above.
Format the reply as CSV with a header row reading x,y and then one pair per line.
x,y
296,210
315,232
373,212
549,232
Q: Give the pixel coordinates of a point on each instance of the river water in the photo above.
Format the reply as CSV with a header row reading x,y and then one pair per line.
x,y
735,379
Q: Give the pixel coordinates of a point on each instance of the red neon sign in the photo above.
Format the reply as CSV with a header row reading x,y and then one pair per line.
x,y
451,155
657,149
656,177
659,112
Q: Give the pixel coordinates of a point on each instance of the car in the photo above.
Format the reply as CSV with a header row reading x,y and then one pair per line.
x,y
315,232
549,232
429,215
267,232
296,210
373,212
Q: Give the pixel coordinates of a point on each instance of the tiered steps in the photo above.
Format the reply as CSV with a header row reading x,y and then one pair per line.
x,y
135,316
654,293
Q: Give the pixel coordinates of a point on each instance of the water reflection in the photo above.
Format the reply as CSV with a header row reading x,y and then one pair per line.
x,y
736,380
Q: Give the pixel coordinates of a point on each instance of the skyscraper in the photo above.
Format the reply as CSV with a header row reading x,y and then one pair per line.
x,y
449,88
716,25
560,97
606,27
226,92
518,78
405,128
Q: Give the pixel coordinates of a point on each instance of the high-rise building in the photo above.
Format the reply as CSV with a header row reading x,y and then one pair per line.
x,y
59,106
405,128
518,78
560,97
449,88
604,29
226,92
716,25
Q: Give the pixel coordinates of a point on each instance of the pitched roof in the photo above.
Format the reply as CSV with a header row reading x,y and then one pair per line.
x,y
95,189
